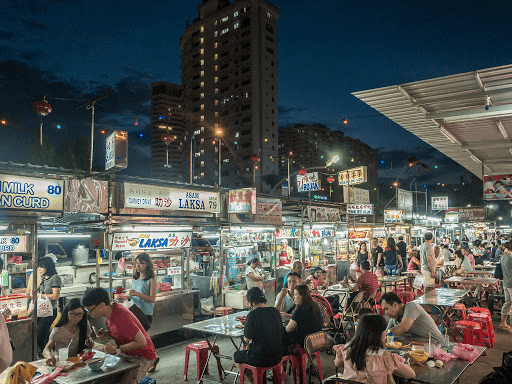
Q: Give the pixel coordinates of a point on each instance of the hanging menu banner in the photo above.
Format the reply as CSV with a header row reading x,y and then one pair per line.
x,y
268,211
145,241
360,209
242,200
440,203
31,193
308,182
13,244
393,216
353,176
170,199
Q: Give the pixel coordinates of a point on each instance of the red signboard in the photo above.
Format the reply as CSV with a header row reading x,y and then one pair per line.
x,y
468,213
498,187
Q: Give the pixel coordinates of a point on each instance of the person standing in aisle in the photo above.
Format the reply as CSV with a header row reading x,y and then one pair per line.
x,y
428,262
362,255
392,258
143,292
402,251
376,257
253,276
506,268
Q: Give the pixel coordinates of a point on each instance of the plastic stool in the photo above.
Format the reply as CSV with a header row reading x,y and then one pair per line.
x,y
294,362
471,332
303,359
478,310
222,311
457,307
407,296
201,349
377,309
260,372
486,325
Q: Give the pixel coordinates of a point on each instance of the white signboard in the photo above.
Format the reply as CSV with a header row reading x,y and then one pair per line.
x,y
360,209
170,199
110,152
308,182
393,216
145,241
440,203
356,195
352,176
323,214
13,244
31,193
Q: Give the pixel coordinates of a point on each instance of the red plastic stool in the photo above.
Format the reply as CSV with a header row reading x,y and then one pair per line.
x,y
478,310
201,349
377,309
471,332
259,373
295,366
462,308
407,296
486,325
303,358
222,311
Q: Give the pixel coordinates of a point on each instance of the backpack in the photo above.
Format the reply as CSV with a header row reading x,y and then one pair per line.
x,y
498,272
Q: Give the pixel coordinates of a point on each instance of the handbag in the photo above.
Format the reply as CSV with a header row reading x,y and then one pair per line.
x,y
44,306
140,316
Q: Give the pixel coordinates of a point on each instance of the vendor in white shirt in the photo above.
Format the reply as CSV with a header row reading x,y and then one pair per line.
x,y
286,255
253,276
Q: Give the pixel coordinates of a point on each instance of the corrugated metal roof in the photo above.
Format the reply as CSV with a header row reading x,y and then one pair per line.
x,y
456,105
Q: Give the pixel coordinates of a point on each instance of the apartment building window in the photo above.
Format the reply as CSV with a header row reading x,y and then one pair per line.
x,y
202,73
216,79
216,67
216,90
202,152
224,31
216,114
215,34
224,54
224,66
202,175
202,107
202,140
202,129
270,50
245,70
197,154
245,82
202,51
216,102
237,134
216,56
269,15
235,14
196,177
202,117
225,161
198,132
236,25
202,29
202,40
225,89
216,125
202,61
269,28
202,163
215,45
246,95
202,95
224,78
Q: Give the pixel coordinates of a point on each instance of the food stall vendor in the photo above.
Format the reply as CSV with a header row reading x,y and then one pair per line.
x,y
286,255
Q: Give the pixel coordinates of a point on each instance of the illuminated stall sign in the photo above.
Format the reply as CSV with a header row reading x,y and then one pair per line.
x,y
319,233
295,233
31,193
13,244
393,216
268,211
308,182
498,187
352,176
170,199
457,215
242,200
145,241
323,214
360,209
440,203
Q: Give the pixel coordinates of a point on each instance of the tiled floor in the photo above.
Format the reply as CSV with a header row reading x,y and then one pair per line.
x,y
170,369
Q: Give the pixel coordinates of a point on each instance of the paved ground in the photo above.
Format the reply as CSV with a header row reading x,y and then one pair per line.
x,y
170,369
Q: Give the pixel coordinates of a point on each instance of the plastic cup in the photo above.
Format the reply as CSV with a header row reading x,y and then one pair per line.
x,y
63,354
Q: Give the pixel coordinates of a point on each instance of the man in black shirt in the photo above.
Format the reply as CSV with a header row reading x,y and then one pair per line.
x,y
376,256
402,250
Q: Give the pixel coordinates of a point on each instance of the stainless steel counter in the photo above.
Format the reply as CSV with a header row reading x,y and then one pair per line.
x,y
173,310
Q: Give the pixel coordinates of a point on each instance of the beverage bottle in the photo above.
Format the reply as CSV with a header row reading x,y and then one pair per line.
x,y
390,337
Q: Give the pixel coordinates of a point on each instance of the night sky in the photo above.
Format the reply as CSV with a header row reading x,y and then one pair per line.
x,y
326,50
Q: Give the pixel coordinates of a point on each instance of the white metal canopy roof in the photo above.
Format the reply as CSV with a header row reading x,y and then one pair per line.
x,y
467,116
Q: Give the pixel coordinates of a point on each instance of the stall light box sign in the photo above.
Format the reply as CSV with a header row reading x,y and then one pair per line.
x,y
352,176
151,240
498,187
457,215
360,209
242,200
13,244
440,203
323,214
308,182
393,216
356,195
31,193
170,199
268,211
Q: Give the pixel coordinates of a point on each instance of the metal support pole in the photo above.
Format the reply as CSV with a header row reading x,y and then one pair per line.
x,y
220,161
109,235
34,288
187,270
288,176
41,130
221,263
191,159
92,138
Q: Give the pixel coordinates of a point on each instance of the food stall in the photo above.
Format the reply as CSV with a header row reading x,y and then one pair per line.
x,y
320,250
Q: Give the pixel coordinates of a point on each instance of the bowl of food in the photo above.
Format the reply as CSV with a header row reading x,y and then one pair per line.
x,y
394,345
419,356
95,363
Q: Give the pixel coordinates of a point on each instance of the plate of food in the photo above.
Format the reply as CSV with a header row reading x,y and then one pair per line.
x,y
394,345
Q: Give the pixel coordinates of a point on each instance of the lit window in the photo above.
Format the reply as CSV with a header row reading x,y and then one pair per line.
x,y
224,31
202,62
216,79
216,113
215,34
202,29
202,140
237,134
202,51
216,125
202,84
202,96
202,73
202,163
271,157
216,56
237,24
266,140
162,126
225,160
235,14
202,129
269,15
202,175
224,19
215,45
202,152
215,22
202,108
202,118
196,177
216,90
202,40
216,101
216,67
197,154
198,132
246,95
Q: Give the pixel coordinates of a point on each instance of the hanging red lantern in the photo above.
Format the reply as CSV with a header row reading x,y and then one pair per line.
x,y
302,171
254,158
166,138
42,107
330,179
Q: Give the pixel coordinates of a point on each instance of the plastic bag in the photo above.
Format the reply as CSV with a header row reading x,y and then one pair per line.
x,y
44,307
444,356
207,305
419,282
378,273
465,352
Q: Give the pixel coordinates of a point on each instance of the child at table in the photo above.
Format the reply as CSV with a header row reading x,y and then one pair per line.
x,y
365,359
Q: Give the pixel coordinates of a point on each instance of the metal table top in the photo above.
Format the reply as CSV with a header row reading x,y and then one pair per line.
x,y
222,325
393,279
481,273
488,267
446,375
442,297
410,273
472,280
83,375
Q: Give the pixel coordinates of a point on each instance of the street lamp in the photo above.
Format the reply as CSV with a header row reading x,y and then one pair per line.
x,y
218,134
254,159
330,180
290,154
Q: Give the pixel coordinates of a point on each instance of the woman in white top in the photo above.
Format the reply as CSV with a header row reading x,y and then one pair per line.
x,y
253,276
462,263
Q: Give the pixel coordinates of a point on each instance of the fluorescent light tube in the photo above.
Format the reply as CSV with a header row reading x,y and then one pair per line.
x,y
502,129
63,236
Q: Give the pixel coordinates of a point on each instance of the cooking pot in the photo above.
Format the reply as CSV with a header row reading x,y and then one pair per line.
x,y
80,255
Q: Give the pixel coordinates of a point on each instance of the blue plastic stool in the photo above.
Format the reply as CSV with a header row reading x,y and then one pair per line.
x,y
147,380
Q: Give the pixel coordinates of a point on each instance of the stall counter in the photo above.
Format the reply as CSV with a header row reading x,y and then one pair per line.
x,y
21,333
